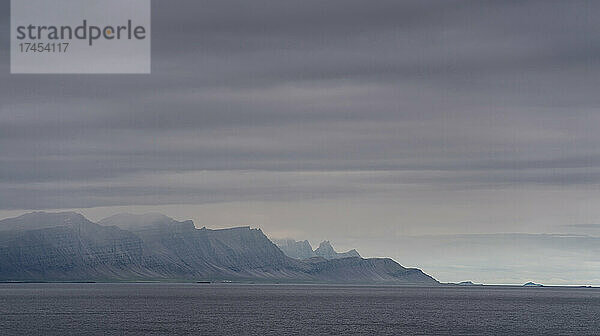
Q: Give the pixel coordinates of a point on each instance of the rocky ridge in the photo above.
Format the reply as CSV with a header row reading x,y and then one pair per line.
x,y
68,247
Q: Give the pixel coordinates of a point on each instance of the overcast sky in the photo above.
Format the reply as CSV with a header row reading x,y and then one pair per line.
x,y
361,122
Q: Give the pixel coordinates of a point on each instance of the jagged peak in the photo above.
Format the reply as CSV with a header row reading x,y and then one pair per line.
x,y
242,252
325,243
326,250
325,246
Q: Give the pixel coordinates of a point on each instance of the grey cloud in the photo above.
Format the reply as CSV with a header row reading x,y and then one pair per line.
x,y
446,96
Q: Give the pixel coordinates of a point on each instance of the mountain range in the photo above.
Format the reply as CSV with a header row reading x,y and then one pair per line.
x,y
303,250
66,246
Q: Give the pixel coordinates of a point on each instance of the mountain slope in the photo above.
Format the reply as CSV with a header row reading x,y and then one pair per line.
x,y
68,247
210,254
373,270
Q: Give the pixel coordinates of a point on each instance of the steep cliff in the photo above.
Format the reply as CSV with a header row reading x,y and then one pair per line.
x,y
68,247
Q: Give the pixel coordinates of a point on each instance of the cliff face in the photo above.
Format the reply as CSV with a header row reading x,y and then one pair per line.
x,y
208,254
65,247
68,247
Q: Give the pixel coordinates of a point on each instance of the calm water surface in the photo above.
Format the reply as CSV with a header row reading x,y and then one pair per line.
x,y
230,309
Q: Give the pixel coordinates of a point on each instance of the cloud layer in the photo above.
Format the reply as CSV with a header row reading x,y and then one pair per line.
x,y
451,116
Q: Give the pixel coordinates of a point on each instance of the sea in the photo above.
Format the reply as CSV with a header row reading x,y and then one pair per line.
x,y
254,309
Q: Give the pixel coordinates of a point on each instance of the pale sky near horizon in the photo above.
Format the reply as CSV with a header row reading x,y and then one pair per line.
x,y
360,122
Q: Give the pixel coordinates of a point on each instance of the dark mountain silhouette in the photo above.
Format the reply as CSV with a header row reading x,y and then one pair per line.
x,y
67,247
